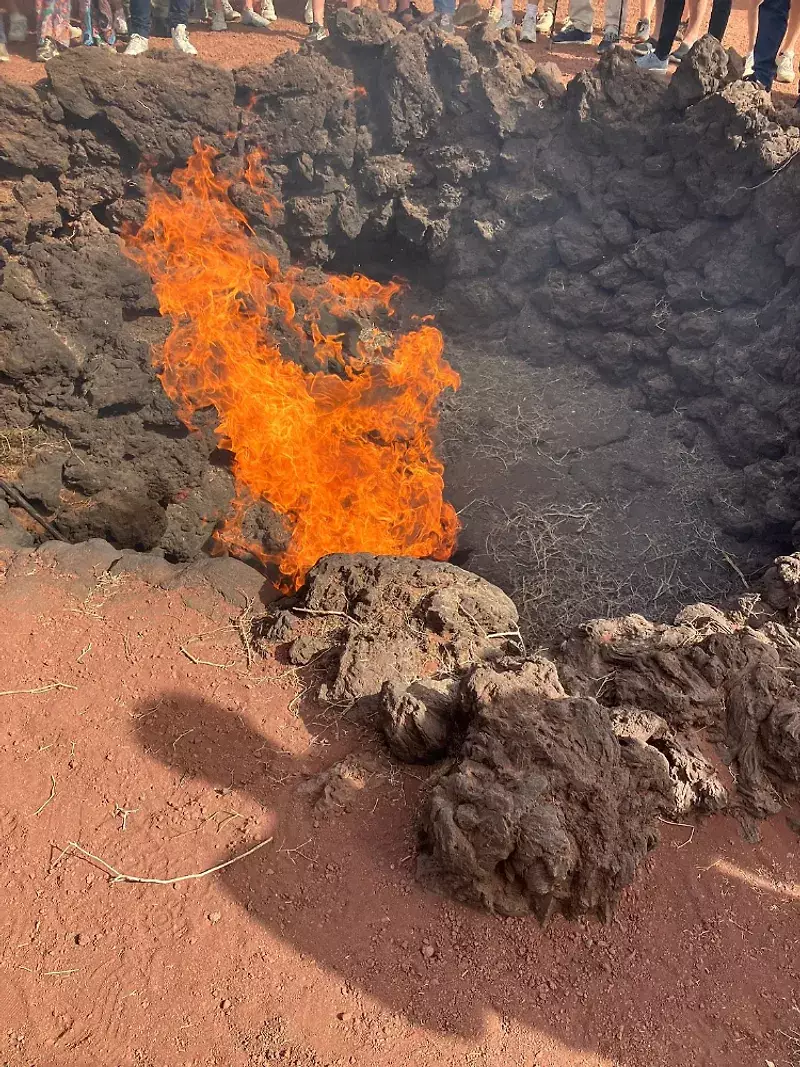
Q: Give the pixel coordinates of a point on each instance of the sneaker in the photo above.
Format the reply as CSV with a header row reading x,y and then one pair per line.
x,y
749,64
785,66
231,14
252,18
682,28
136,46
609,42
495,13
268,11
572,35
120,26
528,31
181,42
75,33
446,23
506,21
219,23
308,15
751,79
652,62
680,53
644,48
46,51
317,33
17,28
544,22
642,31
4,56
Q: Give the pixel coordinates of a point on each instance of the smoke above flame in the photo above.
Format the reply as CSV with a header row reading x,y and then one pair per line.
x,y
343,451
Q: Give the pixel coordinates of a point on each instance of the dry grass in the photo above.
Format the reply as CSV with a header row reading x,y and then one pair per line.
x,y
19,447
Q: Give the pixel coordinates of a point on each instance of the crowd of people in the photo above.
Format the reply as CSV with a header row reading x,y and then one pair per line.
x,y
773,28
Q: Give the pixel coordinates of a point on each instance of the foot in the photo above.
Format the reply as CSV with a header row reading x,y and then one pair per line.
x,y
4,56
181,42
46,51
652,62
252,18
136,46
609,42
785,66
317,33
231,14
644,48
749,61
268,11
17,28
572,35
446,23
544,22
751,79
308,15
680,53
528,31
682,28
642,31
219,24
120,26
75,33
495,12
506,21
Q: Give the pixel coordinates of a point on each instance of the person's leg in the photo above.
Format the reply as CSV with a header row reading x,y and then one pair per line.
x,y
773,17
790,41
697,22
140,18
670,21
752,23
4,56
103,22
720,14
615,15
579,26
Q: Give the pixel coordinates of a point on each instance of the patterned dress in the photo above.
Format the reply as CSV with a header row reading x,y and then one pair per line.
x,y
97,21
52,21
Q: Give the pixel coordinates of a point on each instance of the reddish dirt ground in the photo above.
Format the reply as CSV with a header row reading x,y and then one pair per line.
x,y
319,950
241,47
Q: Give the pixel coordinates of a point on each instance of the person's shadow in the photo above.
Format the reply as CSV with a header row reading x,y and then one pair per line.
x,y
347,896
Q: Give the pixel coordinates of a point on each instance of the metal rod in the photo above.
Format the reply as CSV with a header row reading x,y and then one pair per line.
x,y
16,497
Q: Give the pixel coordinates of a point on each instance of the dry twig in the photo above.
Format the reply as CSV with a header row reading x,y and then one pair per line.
x,y
41,807
118,876
34,692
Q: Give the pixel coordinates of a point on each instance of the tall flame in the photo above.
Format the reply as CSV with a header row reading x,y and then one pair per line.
x,y
344,452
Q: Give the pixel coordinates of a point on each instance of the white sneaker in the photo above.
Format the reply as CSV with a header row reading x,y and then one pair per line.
x,y
219,23
252,18
749,64
495,13
17,28
544,22
180,41
785,66
506,21
120,26
4,56
446,23
231,15
528,32
268,10
136,46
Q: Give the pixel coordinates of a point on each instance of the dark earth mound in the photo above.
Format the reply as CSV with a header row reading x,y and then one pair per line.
x,y
650,235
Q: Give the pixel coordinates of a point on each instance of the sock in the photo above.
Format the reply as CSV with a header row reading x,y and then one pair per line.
x,y
531,11
508,9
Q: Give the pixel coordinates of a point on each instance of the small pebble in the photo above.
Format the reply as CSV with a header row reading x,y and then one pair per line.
x,y
225,1005
428,951
214,916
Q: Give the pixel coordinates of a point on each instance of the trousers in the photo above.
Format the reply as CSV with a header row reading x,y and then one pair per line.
x,y
671,20
773,16
140,15
581,15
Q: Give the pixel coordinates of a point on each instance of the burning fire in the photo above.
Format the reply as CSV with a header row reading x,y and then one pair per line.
x,y
344,452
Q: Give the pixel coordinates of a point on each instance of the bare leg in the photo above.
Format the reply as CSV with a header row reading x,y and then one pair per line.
x,y
792,30
318,7
698,20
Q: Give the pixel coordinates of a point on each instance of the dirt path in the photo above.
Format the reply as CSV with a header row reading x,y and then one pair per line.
x,y
320,949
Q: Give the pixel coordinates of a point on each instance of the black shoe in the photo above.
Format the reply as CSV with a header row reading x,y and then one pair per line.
x,y
571,35
753,80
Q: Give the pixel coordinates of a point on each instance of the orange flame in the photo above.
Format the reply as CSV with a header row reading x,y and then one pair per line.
x,y
344,452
